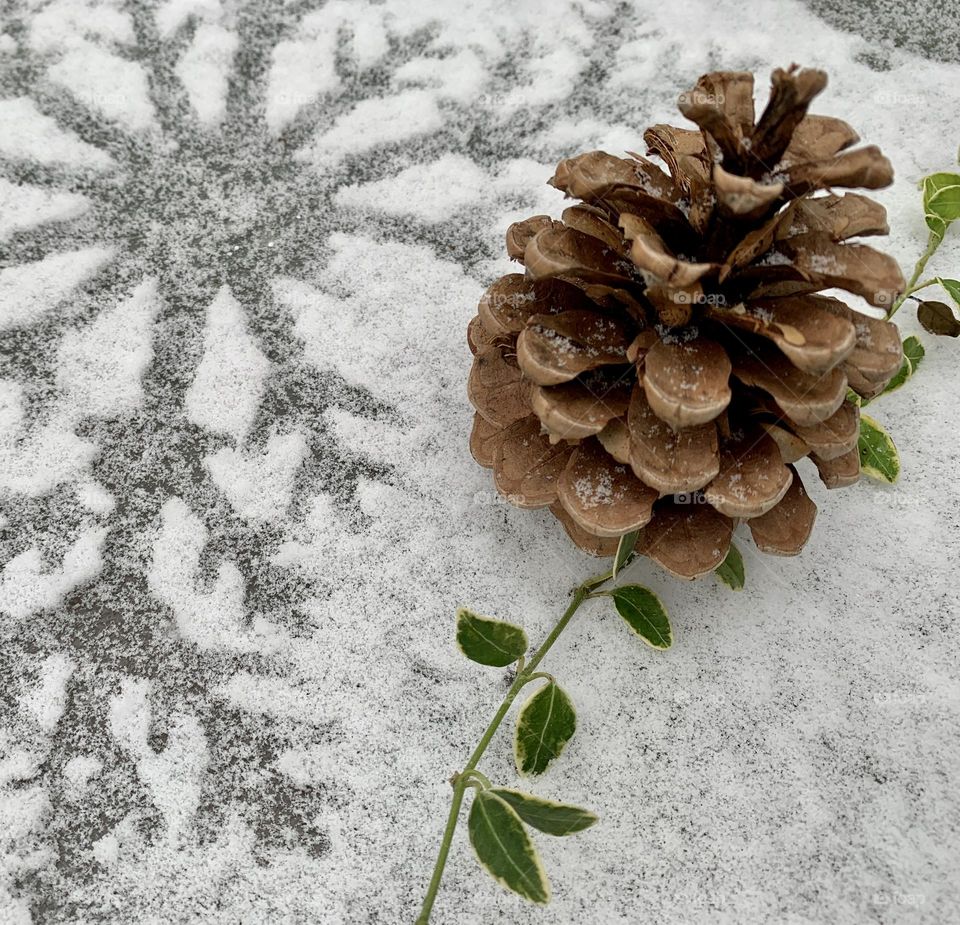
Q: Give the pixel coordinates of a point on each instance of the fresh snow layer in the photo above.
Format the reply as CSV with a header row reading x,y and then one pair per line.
x,y
63,23
375,122
307,66
107,83
28,134
29,291
23,207
170,15
205,68
228,385
432,192
99,366
238,512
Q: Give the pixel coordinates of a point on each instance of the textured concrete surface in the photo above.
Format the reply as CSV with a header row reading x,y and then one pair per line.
x,y
239,245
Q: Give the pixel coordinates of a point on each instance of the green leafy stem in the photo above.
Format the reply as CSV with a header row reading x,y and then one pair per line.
x,y
941,208
545,724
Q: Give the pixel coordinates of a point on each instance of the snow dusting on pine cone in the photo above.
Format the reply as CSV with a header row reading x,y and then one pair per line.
x,y
669,354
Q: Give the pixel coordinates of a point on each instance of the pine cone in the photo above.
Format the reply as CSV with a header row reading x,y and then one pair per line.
x,y
666,359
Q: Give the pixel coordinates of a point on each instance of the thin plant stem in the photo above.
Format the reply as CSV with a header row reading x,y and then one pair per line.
x,y
459,786
933,242
469,773
474,776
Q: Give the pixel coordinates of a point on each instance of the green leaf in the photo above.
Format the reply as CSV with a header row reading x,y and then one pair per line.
x,y
941,195
952,286
941,201
853,398
731,571
487,641
879,458
545,815
902,375
545,725
624,550
504,848
937,318
644,613
913,353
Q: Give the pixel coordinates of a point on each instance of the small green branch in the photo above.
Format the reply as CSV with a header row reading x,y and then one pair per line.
x,y
458,789
933,242
474,778
919,286
592,583
469,776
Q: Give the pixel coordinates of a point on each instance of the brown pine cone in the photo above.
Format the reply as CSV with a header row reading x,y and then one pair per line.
x,y
666,357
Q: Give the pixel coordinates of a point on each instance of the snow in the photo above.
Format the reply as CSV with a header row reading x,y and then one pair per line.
x,y
304,67
208,619
34,460
107,83
433,191
173,775
226,390
23,207
47,700
204,69
26,587
238,513
99,369
456,77
172,14
31,290
67,23
363,20
100,366
106,850
374,122
430,192
79,770
359,302
28,134
546,79
259,485
95,498
21,812
307,67
595,493
573,136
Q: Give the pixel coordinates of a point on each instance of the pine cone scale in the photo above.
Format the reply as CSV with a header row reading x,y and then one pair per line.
x,y
688,540
671,461
812,338
602,496
785,528
673,394
752,478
